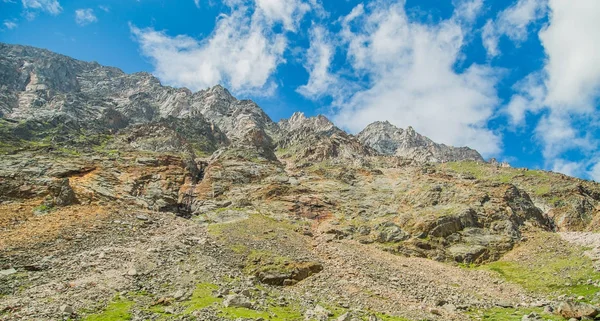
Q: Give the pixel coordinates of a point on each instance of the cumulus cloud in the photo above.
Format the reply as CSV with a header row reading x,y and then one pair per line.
x,y
50,6
287,12
594,173
319,57
410,75
567,89
8,24
468,10
85,16
513,22
242,52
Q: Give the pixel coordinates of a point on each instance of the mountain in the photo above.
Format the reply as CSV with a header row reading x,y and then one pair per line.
x,y
388,139
123,199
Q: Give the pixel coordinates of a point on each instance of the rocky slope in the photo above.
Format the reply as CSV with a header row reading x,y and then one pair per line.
x,y
124,199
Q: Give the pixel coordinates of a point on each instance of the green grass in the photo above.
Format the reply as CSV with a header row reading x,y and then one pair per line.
x,y
116,310
468,167
385,317
69,151
202,297
542,189
511,314
549,265
42,208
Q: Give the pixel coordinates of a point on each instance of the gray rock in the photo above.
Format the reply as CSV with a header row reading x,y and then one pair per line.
x,y
179,295
7,272
147,161
318,313
66,309
577,310
531,317
63,193
237,300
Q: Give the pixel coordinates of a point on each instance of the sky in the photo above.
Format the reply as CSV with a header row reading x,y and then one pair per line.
x,y
517,80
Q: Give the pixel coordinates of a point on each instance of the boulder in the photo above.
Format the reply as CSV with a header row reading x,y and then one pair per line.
x,y
63,193
238,301
391,233
318,313
577,310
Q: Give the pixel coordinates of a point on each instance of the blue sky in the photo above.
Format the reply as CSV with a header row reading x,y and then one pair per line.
x,y
518,80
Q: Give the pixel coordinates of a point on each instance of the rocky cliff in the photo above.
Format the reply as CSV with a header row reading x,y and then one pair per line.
x,y
124,199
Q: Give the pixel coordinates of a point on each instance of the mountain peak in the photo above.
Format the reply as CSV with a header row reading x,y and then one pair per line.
x,y
388,139
298,120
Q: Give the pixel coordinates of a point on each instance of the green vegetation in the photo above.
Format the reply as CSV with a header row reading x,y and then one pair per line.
x,y
202,297
546,264
542,189
69,151
511,314
116,310
385,317
43,208
468,167
500,175
258,261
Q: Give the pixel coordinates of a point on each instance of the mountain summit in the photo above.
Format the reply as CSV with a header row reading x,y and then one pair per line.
x,y
388,139
122,199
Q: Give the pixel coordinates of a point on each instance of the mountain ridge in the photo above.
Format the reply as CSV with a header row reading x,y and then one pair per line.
x,y
49,84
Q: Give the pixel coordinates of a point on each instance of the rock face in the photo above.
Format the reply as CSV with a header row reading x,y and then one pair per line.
x,y
388,139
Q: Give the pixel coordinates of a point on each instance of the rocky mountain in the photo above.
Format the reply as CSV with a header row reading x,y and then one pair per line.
x,y
388,139
122,199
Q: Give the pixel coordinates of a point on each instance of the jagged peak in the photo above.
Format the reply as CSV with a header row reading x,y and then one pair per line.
x,y
299,120
388,139
220,91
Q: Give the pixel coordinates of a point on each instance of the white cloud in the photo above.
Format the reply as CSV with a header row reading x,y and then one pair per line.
x,y
49,6
243,51
288,12
530,96
567,89
10,24
567,167
197,3
104,8
319,57
594,173
468,9
410,76
240,53
512,22
573,48
85,16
